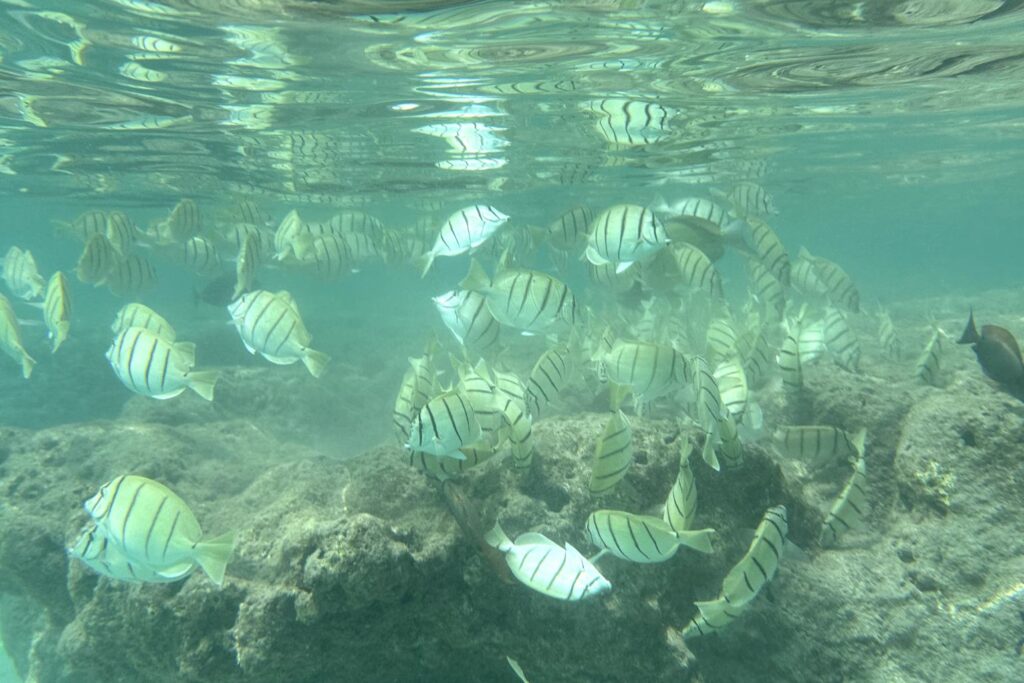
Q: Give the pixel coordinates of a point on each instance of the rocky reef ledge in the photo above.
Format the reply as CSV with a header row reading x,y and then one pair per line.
x,y
355,570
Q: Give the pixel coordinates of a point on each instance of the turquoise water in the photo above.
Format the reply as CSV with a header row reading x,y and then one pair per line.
x,y
888,135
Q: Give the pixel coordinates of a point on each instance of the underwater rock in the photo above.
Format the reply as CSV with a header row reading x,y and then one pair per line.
x,y
353,569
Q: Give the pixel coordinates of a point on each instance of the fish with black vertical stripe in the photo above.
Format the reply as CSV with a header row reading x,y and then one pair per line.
x,y
153,366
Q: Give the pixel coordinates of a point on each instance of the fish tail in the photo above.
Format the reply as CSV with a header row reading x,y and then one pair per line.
x,y
497,538
213,555
427,260
202,382
709,455
970,335
476,279
27,365
699,540
315,361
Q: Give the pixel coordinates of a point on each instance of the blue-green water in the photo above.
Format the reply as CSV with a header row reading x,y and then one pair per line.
x,y
888,135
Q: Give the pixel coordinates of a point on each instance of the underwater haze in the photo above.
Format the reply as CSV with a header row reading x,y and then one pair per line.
x,y
595,340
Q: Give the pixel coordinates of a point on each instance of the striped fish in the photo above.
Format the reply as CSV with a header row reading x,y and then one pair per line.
x,y
888,338
333,255
770,252
418,384
465,230
698,212
84,226
758,362
245,266
269,323
150,524
57,309
96,260
200,255
547,379
731,450
558,572
98,553
248,213
648,370
444,468
804,278
287,230
789,360
742,584
837,284
613,454
712,615
642,539
182,223
840,340
466,315
629,123
234,235
121,232
819,443
929,363
139,315
623,235
10,338
22,275
722,340
478,386
850,509
732,387
526,300
130,274
681,506
696,270
708,410
519,428
569,230
152,366
750,199
445,424
609,277
766,290
811,339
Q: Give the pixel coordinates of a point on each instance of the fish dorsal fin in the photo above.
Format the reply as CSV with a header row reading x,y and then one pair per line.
x,y
286,297
534,538
970,335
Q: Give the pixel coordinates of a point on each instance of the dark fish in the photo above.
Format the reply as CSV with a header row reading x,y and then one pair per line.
x,y
468,518
997,352
220,290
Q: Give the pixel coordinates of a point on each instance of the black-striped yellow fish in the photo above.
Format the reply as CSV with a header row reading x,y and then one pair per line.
x,y
758,566
681,506
96,260
613,454
837,284
547,379
639,538
850,509
140,315
467,316
840,340
22,275
200,255
269,323
445,424
623,235
419,384
696,271
556,571
153,366
818,443
526,300
10,338
130,274
96,551
150,524
929,363
464,231
57,309
770,252
121,232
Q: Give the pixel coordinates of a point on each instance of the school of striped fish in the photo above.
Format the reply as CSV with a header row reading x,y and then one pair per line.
x,y
661,327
